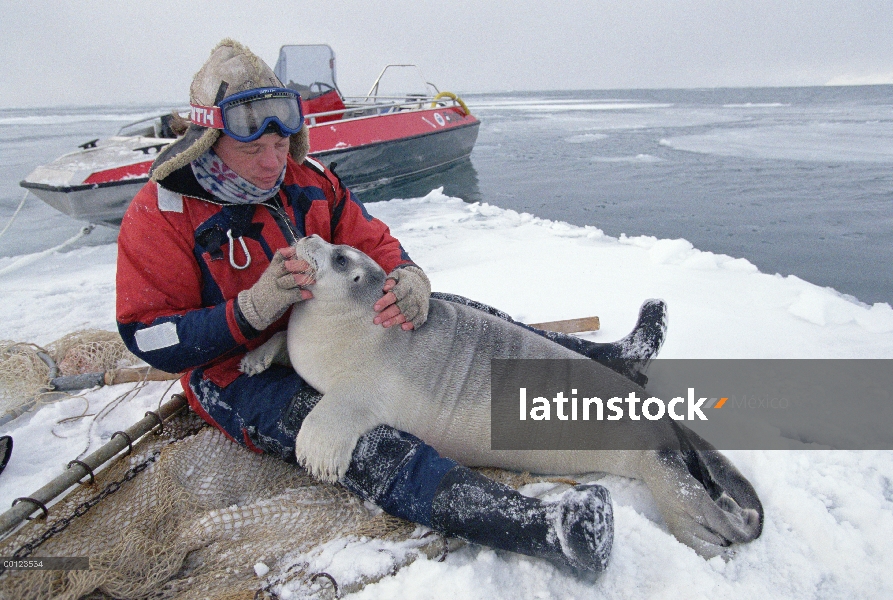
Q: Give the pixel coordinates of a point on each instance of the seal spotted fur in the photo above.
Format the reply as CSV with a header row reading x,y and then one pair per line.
x,y
435,383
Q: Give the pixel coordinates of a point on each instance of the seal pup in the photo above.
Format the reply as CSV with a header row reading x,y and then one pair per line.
x,y
434,383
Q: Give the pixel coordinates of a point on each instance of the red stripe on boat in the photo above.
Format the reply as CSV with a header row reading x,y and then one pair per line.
x,y
120,173
337,135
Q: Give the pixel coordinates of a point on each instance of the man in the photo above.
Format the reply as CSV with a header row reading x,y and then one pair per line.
x,y
206,273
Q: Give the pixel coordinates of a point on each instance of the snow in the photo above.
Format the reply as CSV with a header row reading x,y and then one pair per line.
x,y
75,168
261,569
829,514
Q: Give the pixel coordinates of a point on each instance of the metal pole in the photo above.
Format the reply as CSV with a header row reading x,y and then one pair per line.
x,y
120,441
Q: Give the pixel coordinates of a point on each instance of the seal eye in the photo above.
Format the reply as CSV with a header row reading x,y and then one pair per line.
x,y
341,260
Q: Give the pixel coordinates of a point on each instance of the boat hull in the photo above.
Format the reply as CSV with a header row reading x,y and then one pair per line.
x,y
103,204
382,163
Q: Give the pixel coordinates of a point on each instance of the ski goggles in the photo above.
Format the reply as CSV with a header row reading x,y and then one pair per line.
x,y
245,116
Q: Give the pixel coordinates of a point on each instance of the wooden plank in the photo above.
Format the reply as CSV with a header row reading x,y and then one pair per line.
x,y
136,374
570,325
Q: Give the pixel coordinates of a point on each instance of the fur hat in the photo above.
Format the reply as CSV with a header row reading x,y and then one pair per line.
x,y
231,68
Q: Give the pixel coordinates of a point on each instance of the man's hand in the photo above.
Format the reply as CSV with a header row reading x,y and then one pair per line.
x,y
300,270
278,288
405,301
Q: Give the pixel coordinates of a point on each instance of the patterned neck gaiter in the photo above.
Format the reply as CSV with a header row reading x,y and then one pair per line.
x,y
223,183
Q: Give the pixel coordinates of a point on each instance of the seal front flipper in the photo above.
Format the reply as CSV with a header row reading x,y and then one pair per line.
x,y
274,350
330,432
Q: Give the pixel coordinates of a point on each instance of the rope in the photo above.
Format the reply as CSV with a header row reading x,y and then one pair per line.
x,y
27,260
453,97
15,214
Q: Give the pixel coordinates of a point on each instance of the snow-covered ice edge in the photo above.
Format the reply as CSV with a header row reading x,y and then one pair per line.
x,y
829,514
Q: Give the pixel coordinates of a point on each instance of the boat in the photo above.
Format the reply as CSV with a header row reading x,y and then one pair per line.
x,y
403,127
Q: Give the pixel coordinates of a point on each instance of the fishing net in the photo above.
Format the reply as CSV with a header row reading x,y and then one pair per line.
x,y
26,369
197,517
90,351
23,374
191,514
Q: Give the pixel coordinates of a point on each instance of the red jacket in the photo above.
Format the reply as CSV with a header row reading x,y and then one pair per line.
x,y
176,283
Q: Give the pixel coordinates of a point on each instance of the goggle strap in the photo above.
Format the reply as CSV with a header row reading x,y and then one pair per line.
x,y
207,116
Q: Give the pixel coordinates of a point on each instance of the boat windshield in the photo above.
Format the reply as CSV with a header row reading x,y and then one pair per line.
x,y
154,127
307,68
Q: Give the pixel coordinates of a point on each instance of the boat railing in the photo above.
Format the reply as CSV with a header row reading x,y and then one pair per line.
x,y
355,108
396,71
360,107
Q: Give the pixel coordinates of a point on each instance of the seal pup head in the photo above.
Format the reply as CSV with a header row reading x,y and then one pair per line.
x,y
343,274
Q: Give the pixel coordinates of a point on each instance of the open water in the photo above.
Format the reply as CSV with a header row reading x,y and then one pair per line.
x,y
796,180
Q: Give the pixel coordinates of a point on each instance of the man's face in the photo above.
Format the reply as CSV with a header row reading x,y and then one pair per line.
x,y
260,162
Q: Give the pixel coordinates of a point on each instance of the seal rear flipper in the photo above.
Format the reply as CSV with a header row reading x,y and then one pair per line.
x,y
723,482
706,502
691,515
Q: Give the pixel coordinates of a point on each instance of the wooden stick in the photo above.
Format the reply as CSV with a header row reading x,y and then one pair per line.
x,y
132,375
570,325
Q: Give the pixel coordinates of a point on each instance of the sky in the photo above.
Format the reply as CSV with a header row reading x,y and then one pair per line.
x,y
108,52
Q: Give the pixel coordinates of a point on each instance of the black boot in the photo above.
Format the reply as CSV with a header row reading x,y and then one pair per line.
x,y
631,355
646,338
576,531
